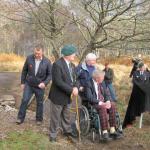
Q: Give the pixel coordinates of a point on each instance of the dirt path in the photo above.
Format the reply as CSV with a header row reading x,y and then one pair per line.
x,y
10,85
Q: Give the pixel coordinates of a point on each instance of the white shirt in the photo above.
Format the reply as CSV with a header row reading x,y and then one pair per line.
x,y
68,62
96,88
37,63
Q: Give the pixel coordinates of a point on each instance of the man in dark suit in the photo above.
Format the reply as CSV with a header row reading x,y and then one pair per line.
x,y
63,87
98,95
141,74
36,74
139,99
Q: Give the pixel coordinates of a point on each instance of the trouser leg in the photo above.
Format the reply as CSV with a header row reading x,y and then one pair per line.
x,y
55,116
66,119
103,117
112,115
27,94
112,91
39,94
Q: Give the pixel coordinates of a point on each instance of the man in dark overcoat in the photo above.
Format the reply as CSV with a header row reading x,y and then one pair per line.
x,y
63,87
140,96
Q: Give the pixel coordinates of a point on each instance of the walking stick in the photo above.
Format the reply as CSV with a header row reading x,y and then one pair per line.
x,y
78,121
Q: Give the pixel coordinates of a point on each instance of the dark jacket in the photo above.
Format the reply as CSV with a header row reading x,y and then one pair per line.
x,y
90,93
43,74
62,85
109,75
138,76
83,74
139,101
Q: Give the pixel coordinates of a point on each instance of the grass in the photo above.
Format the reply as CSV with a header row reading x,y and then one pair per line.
x,y
25,140
11,62
29,140
10,57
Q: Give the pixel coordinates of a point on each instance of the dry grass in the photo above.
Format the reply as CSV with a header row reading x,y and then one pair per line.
x,y
10,57
11,62
123,60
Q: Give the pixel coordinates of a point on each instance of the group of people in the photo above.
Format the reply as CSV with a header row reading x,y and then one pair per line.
x,y
85,80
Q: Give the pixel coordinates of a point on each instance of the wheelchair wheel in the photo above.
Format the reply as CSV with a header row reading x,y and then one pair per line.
x,y
118,123
93,136
98,127
96,131
84,122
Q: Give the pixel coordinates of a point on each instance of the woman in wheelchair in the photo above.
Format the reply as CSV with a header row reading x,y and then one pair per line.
x,y
97,94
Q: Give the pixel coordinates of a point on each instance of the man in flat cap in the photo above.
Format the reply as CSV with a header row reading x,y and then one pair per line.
x,y
63,87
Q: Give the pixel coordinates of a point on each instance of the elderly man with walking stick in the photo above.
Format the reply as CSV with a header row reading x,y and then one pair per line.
x,y
64,85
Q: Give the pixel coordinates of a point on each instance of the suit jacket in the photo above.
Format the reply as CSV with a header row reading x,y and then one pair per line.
x,y
90,93
138,76
62,85
43,74
139,101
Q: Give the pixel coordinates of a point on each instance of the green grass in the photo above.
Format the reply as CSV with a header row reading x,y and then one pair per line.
x,y
29,140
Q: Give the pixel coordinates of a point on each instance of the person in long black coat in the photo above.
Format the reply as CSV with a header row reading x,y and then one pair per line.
x,y
63,87
140,97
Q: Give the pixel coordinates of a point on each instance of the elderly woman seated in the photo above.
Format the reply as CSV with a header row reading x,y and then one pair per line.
x,y
97,94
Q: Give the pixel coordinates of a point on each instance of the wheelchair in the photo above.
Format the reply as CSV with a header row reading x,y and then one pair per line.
x,y
89,122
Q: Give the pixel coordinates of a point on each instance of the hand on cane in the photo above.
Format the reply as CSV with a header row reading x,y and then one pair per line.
x,y
75,91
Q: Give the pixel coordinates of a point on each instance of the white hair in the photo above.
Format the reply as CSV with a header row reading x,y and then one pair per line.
x,y
97,73
90,56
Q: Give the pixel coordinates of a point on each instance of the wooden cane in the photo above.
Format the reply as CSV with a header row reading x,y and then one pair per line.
x,y
78,120
77,116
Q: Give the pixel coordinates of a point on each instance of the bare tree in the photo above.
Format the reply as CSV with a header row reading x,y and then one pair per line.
x,y
100,23
108,22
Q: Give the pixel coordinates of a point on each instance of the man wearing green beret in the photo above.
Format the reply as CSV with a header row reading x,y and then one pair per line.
x,y
64,86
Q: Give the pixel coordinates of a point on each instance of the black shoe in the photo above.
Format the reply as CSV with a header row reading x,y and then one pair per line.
x,y
19,121
116,135
106,137
113,134
51,139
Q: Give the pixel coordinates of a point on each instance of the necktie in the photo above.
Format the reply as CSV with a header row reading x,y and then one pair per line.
x,y
141,72
71,71
100,96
